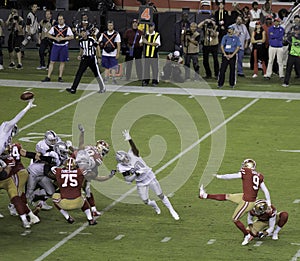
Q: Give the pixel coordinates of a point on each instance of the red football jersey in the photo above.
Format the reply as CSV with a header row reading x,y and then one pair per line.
x,y
69,182
14,159
251,183
265,216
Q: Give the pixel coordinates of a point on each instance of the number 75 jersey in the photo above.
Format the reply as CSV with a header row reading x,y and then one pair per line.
x,y
251,183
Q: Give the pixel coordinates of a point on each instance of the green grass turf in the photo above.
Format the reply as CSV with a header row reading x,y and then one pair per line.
x,y
259,132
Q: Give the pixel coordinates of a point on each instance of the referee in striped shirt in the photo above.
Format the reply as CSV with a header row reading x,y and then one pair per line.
x,y
89,51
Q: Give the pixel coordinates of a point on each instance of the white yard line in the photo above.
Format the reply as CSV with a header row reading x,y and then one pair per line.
x,y
76,232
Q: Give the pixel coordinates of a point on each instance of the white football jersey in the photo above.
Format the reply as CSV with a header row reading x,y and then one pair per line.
x,y
146,174
5,135
37,168
42,146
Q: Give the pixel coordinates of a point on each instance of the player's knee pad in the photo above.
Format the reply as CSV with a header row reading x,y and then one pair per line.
x,y
161,196
17,49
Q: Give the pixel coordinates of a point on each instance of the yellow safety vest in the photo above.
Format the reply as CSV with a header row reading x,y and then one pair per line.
x,y
151,51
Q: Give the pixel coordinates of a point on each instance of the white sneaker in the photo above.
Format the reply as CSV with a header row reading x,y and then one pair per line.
x,y
254,76
175,215
285,85
44,206
1,67
33,219
12,210
26,224
1,216
247,239
202,192
157,210
275,236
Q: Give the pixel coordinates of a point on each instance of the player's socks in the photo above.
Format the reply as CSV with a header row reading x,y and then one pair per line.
x,y
220,197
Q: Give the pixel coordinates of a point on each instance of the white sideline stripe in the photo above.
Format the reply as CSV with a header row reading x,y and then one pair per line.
x,y
63,241
296,201
258,243
166,239
56,111
119,237
295,257
211,241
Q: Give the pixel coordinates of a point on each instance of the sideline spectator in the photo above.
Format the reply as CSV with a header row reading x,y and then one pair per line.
x,y
275,34
230,46
32,28
90,28
15,24
222,19
1,43
235,12
110,43
255,15
210,45
246,16
172,68
240,30
258,39
61,34
151,42
294,55
45,43
181,26
89,51
133,50
191,48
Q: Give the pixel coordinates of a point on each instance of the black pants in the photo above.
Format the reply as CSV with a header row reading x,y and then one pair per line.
x,y
194,58
291,62
137,56
153,63
213,49
1,53
225,62
88,61
45,44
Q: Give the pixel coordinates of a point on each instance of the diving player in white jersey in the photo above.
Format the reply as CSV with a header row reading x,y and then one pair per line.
x,y
7,127
133,167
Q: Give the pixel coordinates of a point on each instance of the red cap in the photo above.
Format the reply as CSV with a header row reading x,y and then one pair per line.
x,y
277,19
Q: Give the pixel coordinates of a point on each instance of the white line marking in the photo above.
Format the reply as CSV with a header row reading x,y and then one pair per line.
x,y
211,241
296,201
295,151
56,111
295,244
223,98
76,232
126,93
288,100
295,257
62,90
159,94
119,237
191,96
166,239
258,243
170,195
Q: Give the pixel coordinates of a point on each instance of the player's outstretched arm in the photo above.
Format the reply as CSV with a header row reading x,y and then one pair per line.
x,y
105,178
81,137
128,138
228,176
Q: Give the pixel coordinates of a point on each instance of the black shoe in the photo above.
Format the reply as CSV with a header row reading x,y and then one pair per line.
x,y
102,90
92,222
267,78
19,66
47,79
144,83
60,79
70,220
70,90
11,65
232,87
220,87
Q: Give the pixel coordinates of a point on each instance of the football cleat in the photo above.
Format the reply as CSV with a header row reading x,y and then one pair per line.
x,y
33,219
175,215
70,220
157,210
1,216
44,206
247,239
97,213
92,222
26,224
202,192
275,236
12,210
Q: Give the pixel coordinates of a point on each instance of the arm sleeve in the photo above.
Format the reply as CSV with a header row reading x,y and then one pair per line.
x,y
266,192
134,148
230,176
18,117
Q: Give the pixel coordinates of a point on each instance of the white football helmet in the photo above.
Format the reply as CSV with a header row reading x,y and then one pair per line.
x,y
84,160
62,150
249,163
260,207
122,157
50,138
102,147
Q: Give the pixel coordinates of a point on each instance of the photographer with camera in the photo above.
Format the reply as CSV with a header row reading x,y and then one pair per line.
x,y
190,41
32,28
210,45
15,24
45,43
172,68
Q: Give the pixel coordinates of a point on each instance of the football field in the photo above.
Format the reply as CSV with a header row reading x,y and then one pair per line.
x,y
185,135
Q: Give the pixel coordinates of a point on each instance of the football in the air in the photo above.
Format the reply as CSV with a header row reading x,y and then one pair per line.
x,y
25,96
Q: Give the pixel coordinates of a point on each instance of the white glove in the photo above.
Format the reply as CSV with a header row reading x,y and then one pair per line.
x,y
126,135
30,103
81,128
2,164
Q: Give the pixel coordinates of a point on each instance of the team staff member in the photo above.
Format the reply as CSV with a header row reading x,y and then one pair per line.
x,y
230,45
151,43
89,49
61,34
45,26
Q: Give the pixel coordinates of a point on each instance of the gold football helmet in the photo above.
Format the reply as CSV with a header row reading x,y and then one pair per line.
x,y
70,164
102,147
260,207
249,163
